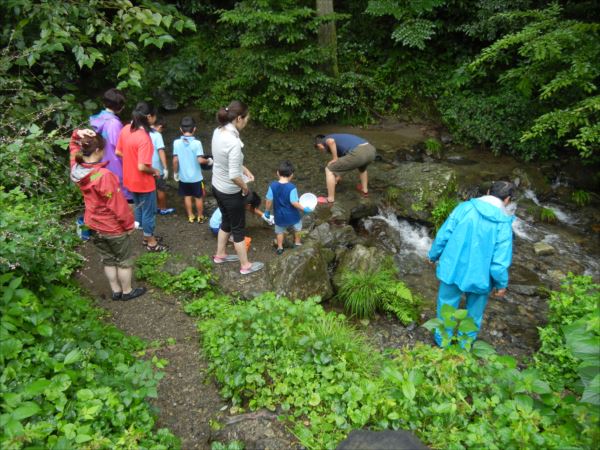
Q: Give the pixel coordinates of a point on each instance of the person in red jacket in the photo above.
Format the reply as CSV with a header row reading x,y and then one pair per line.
x,y
106,212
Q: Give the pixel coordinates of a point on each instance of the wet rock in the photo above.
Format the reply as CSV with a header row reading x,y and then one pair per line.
x,y
332,236
363,210
556,276
381,440
339,214
301,273
531,178
524,289
543,249
413,189
358,259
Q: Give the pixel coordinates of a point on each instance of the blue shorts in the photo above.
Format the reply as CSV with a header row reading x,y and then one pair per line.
x,y
215,231
280,230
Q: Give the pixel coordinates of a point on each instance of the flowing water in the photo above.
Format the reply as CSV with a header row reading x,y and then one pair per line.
x,y
511,323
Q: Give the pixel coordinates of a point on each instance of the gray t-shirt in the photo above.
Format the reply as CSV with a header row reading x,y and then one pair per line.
x,y
228,159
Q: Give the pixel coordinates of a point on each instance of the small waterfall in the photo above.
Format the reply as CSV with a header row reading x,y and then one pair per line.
x,y
411,238
561,216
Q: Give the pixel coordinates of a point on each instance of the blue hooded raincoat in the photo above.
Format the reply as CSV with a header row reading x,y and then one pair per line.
x,y
474,246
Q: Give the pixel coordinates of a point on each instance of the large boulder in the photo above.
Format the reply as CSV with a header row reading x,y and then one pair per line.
x,y
358,259
333,236
381,440
302,272
413,189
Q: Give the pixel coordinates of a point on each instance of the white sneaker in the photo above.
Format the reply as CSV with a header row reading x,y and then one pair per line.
x,y
137,225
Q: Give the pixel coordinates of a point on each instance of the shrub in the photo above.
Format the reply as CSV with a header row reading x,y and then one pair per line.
x,y
68,380
577,298
442,210
33,241
365,292
581,198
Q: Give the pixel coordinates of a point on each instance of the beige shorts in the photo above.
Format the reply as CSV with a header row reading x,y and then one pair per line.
x,y
359,158
114,250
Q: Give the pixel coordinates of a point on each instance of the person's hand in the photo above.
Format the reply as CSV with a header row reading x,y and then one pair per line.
x,y
245,191
85,132
431,263
176,176
500,293
249,175
307,210
266,215
156,173
165,174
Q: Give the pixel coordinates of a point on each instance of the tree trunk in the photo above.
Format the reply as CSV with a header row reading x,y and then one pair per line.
x,y
327,37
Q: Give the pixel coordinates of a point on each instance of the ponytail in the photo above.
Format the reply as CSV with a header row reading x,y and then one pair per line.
x,y
139,116
231,112
88,145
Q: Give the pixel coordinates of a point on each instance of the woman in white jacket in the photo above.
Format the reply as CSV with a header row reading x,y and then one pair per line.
x,y
229,186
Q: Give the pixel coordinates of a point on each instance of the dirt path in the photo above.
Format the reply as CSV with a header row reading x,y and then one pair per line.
x,y
188,400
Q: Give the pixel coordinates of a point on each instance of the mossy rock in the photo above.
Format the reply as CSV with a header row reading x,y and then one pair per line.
x,y
415,188
359,259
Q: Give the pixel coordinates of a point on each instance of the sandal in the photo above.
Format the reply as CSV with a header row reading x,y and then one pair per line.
x,y
324,201
156,248
158,239
224,259
359,188
255,266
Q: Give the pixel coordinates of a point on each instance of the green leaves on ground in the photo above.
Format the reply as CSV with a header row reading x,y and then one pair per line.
x,y
67,378
272,353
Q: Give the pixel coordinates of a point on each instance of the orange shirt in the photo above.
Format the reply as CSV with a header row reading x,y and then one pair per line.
x,y
136,148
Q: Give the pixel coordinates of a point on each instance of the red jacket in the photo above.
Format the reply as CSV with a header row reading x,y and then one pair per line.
x,y
106,210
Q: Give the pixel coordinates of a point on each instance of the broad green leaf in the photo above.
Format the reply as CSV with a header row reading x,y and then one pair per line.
x,y
72,357
460,314
524,402
26,410
591,393
483,350
408,389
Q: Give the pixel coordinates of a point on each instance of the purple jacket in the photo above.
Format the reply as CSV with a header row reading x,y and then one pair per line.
x,y
108,125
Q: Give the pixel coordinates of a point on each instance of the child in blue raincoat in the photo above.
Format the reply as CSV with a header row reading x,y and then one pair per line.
x,y
473,251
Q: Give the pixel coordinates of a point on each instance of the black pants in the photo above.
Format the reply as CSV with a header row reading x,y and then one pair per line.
x,y
233,210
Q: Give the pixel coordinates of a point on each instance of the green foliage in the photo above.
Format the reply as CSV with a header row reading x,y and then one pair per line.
x,y
442,210
453,327
433,147
581,198
551,66
365,292
272,353
583,341
69,380
192,280
231,445
33,242
415,26
547,215
578,299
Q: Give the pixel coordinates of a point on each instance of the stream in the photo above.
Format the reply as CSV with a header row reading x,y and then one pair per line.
x,y
510,324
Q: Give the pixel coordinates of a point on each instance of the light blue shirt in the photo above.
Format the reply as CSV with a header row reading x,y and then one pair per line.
x,y
158,143
215,219
188,149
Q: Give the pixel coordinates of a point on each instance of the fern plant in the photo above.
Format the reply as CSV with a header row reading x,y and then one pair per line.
x,y
363,293
442,210
581,198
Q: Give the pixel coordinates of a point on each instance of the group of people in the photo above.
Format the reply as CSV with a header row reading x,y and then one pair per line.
x,y
115,165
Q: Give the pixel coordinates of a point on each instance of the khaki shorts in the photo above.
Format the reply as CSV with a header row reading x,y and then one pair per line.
x,y
359,158
114,250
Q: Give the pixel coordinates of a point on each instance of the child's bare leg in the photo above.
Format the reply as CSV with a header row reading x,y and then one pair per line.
x,y
161,199
199,206
364,181
187,201
280,240
297,238
111,275
124,274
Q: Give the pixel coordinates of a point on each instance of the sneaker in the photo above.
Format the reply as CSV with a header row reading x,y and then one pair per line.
x,y
137,225
191,219
279,251
133,294
202,219
224,259
254,267
166,211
